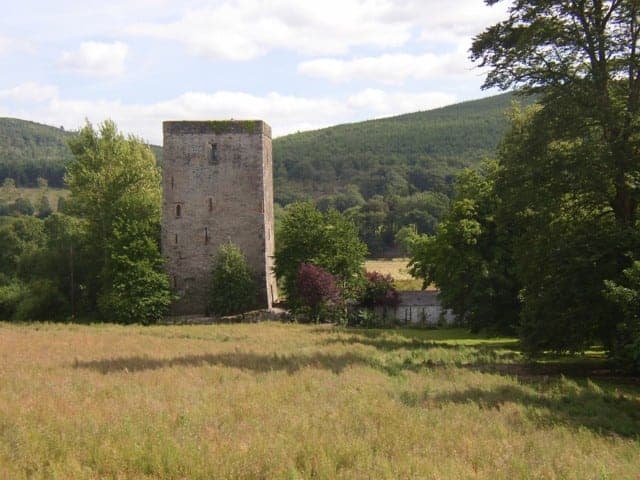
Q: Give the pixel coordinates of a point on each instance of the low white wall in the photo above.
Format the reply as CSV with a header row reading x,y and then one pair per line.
x,y
419,314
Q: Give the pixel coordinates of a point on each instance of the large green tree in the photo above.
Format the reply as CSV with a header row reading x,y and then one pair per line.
x,y
570,168
566,239
470,257
20,238
115,188
583,57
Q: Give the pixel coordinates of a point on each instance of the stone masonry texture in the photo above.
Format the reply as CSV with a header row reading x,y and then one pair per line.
x,y
217,187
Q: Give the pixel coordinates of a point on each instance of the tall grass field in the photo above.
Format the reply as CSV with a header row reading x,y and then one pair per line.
x,y
283,401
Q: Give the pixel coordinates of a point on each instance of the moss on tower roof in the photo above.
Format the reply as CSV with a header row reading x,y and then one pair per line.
x,y
250,127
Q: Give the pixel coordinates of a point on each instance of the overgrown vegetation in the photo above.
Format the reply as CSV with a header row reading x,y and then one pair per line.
x,y
320,262
379,291
294,401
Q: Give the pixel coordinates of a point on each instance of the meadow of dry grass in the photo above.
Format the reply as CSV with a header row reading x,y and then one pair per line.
x,y
34,195
397,268
290,401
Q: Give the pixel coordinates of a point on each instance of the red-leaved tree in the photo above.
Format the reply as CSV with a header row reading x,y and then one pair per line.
x,y
316,289
379,291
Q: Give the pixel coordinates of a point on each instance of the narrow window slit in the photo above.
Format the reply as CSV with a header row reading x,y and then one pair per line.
x,y
206,235
178,211
213,158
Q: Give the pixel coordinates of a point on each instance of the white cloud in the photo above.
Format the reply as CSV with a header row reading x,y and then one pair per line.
x,y
30,92
6,44
388,68
244,29
449,29
11,45
394,103
96,59
285,113
457,25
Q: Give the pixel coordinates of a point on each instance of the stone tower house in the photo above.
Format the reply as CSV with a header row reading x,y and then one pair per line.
x,y
218,187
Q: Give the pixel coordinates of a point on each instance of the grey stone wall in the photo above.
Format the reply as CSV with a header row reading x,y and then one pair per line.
x,y
217,187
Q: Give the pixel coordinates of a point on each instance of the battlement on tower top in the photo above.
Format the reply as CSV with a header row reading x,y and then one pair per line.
x,y
249,127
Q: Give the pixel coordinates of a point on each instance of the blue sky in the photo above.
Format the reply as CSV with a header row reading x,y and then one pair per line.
x,y
297,65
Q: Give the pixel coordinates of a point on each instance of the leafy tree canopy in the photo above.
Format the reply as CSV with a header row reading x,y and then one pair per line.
x,y
329,241
469,257
115,188
582,55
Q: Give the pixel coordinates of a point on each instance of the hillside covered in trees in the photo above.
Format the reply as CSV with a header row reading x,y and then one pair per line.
x,y
30,150
392,176
386,174
396,155
418,150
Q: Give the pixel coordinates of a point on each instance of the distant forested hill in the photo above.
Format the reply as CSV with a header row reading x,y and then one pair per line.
x,y
386,174
29,150
397,155
412,152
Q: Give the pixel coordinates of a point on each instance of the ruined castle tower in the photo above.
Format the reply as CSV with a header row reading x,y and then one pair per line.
x,y
218,187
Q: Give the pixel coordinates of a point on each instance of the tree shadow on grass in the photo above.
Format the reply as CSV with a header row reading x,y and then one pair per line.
x,y
389,344
427,353
241,360
487,355
548,401
560,403
397,339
